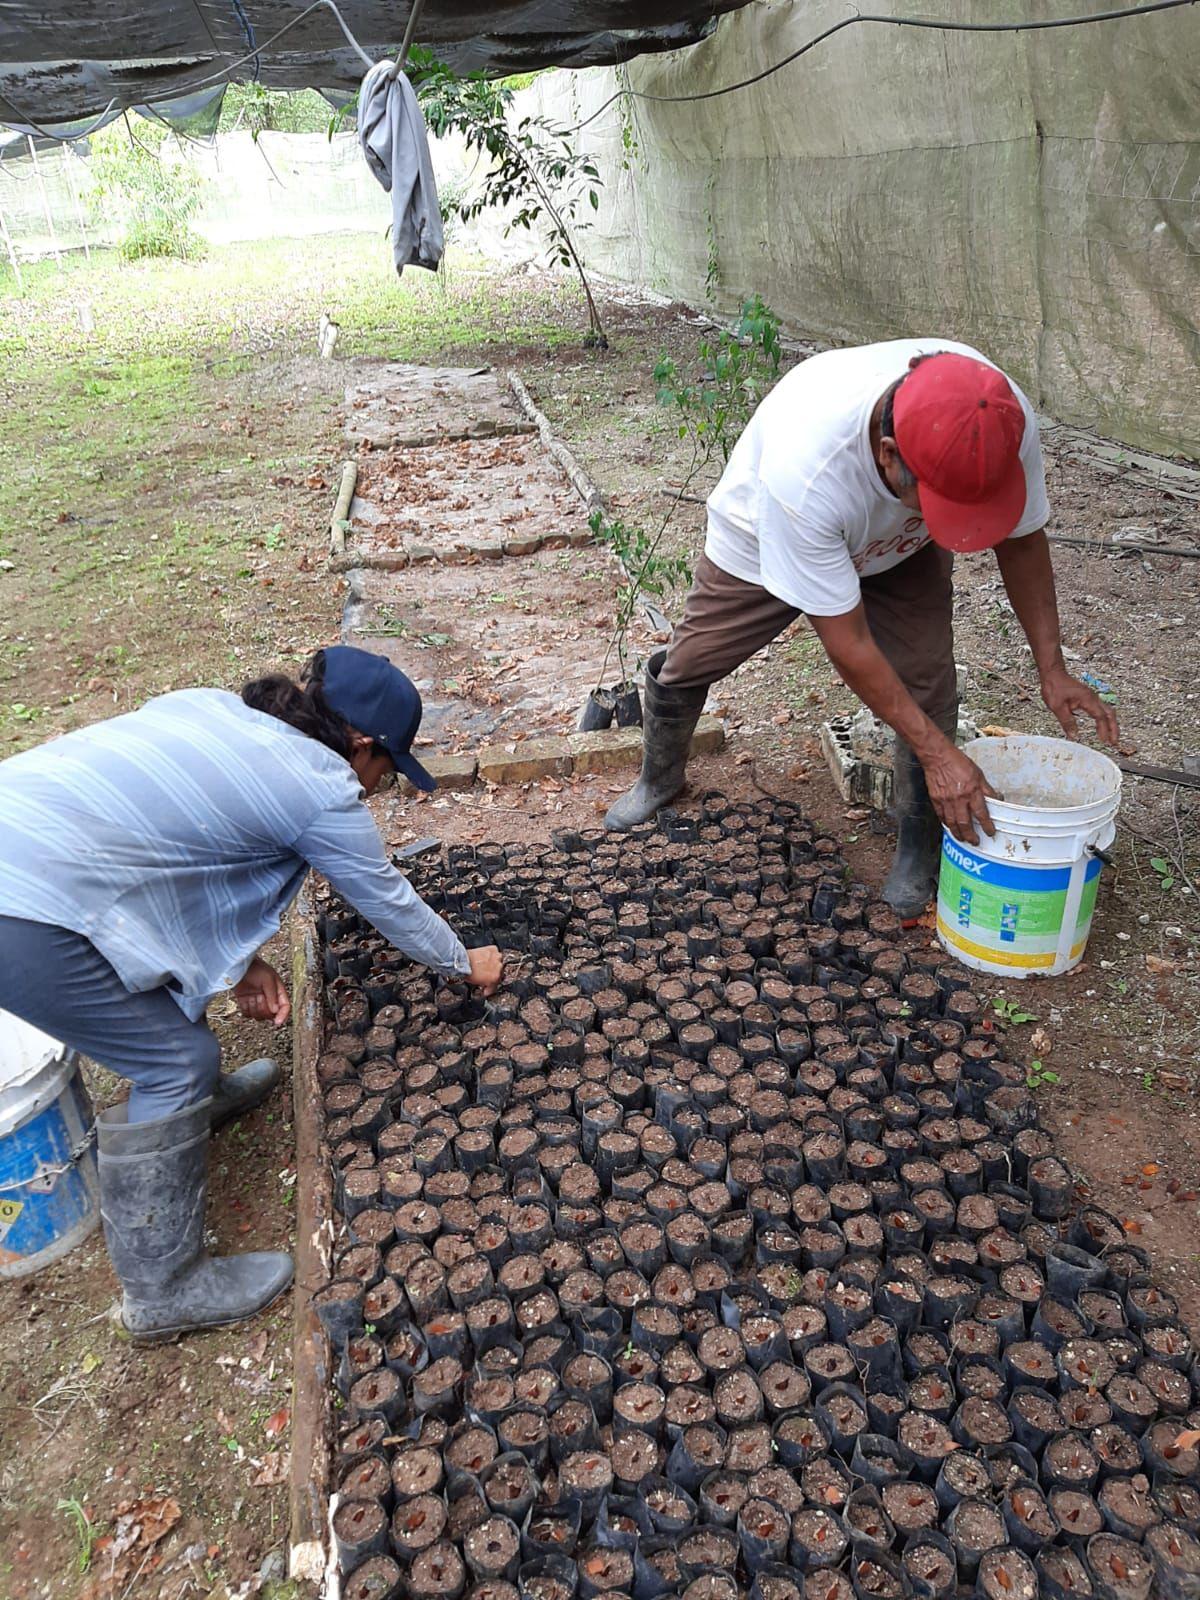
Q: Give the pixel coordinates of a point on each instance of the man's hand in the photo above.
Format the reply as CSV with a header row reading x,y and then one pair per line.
x,y
1066,695
959,792
261,995
487,969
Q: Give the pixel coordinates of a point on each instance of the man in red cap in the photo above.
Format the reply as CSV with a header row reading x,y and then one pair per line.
x,y
856,481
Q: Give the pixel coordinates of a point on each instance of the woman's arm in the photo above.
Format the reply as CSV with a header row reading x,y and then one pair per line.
x,y
345,846
260,994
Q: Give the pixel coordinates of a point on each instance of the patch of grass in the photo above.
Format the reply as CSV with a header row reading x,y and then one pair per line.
x,y
84,1530
168,444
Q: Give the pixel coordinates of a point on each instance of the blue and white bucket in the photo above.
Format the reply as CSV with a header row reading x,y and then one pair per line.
x,y
1021,902
49,1189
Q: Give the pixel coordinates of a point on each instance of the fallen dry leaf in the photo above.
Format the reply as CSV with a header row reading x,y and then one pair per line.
x,y
1159,966
274,1469
1188,1439
1151,1169
277,1421
140,1524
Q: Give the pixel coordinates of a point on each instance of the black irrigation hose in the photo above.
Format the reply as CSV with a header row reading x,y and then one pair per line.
x,y
932,23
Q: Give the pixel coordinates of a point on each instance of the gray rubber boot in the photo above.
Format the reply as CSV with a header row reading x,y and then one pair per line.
x,y
669,719
153,1183
238,1092
912,882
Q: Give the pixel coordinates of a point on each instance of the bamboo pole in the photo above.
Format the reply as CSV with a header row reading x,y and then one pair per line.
x,y
41,183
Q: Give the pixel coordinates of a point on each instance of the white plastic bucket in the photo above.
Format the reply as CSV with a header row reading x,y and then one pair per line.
x,y
49,1189
1021,902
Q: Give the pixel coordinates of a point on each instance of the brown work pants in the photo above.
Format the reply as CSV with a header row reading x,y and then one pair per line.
x,y
910,611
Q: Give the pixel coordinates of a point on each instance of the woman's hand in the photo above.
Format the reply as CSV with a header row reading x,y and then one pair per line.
x,y
487,968
959,792
1065,696
261,995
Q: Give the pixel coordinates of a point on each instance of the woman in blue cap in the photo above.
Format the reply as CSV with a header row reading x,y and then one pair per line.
x,y
144,861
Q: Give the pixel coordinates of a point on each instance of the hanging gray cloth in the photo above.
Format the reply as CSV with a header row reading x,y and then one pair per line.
x,y
395,142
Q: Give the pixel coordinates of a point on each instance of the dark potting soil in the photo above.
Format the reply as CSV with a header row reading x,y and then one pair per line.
x,y
721,1174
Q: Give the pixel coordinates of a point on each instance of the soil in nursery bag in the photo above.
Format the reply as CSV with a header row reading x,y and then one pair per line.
x,y
720,1255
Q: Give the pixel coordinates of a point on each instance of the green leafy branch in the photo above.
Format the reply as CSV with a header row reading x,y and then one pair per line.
x,y
646,573
738,368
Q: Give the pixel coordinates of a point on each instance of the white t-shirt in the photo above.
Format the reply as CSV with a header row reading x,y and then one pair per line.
x,y
801,508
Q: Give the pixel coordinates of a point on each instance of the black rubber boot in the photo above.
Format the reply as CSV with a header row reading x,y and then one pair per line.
x,y
153,1183
912,882
669,719
238,1092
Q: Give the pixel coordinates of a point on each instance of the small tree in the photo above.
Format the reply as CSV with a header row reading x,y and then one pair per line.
x,y
532,164
154,199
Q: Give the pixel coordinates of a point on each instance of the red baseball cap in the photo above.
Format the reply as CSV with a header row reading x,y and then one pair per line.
x,y
959,428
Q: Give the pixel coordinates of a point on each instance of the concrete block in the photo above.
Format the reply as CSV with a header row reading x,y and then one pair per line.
x,y
483,550
451,772
606,750
521,763
709,736
421,552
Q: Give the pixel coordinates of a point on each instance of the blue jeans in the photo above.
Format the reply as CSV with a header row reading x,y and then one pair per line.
x,y
59,981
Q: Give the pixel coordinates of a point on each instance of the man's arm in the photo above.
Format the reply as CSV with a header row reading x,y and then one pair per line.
x,y
957,788
1028,577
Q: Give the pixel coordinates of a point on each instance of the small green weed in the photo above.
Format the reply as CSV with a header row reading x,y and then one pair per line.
x,y
1165,871
1011,1011
1039,1075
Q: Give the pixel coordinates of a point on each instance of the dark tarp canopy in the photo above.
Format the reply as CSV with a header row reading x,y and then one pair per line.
x,y
74,60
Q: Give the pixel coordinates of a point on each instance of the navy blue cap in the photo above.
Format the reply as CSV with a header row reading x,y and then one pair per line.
x,y
377,699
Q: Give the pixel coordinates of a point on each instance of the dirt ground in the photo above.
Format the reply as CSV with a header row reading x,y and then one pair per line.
x,y
175,1457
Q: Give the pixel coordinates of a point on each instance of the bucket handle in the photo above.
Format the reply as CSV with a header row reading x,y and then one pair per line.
x,y
1101,855
73,1160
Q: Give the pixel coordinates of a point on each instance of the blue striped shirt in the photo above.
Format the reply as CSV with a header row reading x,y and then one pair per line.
x,y
176,837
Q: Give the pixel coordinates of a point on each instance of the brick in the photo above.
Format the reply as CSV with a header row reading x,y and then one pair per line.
x,y
569,539
531,758
451,772
484,549
709,736
526,546
606,750
421,552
